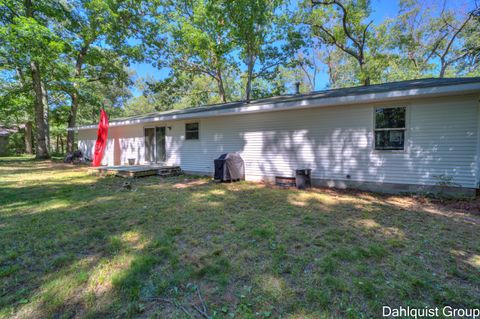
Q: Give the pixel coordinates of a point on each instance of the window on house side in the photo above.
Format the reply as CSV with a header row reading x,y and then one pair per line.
x,y
191,131
390,128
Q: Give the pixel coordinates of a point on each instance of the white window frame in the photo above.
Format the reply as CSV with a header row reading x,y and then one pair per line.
x,y
405,129
155,155
198,132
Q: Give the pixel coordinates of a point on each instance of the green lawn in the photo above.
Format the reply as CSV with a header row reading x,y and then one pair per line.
x,y
77,245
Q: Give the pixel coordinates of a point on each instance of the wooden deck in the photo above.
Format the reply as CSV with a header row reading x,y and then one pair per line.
x,y
139,170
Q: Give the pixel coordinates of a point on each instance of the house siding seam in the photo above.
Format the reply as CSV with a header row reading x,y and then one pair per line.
x,y
442,139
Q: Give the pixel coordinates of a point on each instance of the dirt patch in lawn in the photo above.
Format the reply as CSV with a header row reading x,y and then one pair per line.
x,y
450,207
190,182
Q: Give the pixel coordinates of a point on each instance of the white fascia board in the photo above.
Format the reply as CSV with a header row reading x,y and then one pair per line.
x,y
307,103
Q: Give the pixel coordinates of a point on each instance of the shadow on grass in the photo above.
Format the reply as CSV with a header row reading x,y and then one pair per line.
x,y
105,251
17,159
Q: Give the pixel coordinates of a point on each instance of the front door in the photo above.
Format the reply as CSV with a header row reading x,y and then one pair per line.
x,y
155,144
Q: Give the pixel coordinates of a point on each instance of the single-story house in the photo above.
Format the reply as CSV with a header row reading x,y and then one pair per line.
x,y
416,135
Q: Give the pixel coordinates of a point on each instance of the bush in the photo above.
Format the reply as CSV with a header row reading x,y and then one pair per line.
x,y
12,144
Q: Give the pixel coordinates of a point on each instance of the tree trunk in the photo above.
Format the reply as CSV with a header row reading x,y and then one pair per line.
x,y
361,63
221,88
72,116
443,68
41,101
332,74
248,89
28,138
41,150
46,114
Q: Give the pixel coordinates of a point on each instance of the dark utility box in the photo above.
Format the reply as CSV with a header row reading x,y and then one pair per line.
x,y
303,178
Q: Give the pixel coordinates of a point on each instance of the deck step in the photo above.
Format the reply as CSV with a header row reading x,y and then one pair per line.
x,y
140,170
169,171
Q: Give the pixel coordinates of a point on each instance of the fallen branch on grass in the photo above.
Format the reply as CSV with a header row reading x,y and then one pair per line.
x,y
174,303
201,311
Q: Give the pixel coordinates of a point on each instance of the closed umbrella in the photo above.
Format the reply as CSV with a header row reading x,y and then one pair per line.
x,y
102,135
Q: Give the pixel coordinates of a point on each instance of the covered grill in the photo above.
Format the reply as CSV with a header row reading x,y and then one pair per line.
x,y
229,167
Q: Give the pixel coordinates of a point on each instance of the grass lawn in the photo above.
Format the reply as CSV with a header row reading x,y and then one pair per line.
x,y
78,245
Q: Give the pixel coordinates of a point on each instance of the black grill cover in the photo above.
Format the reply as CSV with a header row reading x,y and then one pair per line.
x,y
229,167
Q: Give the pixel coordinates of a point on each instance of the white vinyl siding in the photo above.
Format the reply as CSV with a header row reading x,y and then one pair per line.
x,y
441,139
86,142
123,143
478,144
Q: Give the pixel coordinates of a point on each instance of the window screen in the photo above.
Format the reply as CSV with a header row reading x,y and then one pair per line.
x,y
191,131
390,128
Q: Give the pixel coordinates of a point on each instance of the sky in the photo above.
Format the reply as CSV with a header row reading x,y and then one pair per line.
x,y
382,10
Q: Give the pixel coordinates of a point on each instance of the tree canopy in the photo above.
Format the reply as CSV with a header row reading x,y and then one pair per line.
x,y
62,61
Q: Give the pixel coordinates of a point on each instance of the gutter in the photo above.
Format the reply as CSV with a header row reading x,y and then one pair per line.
x,y
306,102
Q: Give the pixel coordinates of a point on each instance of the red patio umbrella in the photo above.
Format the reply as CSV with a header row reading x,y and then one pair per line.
x,y
102,135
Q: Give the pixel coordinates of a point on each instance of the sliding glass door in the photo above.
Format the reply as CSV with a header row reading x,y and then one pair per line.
x,y
160,154
155,144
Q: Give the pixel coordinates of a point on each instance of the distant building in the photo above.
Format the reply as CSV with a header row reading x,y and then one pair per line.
x,y
4,134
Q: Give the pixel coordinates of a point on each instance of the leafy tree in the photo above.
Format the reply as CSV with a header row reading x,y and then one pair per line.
x,y
337,64
411,36
343,24
139,105
198,42
430,41
110,96
31,46
265,38
181,90
470,64
450,49
16,104
309,65
58,127
98,33
341,68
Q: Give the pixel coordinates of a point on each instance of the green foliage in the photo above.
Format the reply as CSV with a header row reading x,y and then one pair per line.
x,y
214,48
82,48
192,39
215,51
266,38
15,143
180,90
346,25
25,39
16,101
424,40
470,64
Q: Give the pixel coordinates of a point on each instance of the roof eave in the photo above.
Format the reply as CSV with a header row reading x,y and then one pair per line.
x,y
307,102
